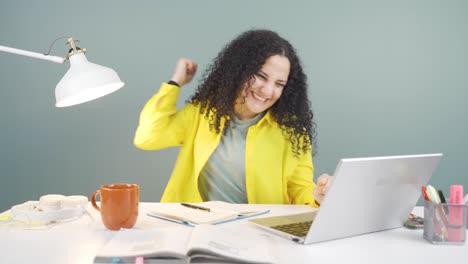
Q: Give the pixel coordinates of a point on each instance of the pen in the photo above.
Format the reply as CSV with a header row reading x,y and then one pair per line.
x,y
424,193
442,197
196,207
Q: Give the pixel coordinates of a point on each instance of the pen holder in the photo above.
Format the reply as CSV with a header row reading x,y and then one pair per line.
x,y
445,223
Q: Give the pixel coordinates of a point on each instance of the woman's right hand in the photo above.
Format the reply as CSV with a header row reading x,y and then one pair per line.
x,y
184,71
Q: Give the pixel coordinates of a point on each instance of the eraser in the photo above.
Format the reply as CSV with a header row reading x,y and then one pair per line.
x,y
73,201
50,202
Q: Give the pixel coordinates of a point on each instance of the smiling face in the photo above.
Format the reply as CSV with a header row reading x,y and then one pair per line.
x,y
264,89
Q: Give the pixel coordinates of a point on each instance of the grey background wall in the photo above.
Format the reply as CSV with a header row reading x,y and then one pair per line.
x,y
386,78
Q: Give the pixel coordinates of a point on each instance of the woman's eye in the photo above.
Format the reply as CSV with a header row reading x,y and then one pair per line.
x,y
261,77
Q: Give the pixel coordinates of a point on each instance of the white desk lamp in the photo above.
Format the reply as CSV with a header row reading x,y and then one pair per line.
x,y
83,82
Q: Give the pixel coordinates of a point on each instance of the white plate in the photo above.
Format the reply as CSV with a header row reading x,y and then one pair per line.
x,y
28,211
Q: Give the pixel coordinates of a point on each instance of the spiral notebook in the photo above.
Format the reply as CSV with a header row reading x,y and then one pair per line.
x,y
212,212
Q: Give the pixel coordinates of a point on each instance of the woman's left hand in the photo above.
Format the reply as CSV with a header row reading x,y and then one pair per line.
x,y
324,182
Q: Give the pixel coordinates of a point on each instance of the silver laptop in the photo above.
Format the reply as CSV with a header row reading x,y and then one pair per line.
x,y
367,195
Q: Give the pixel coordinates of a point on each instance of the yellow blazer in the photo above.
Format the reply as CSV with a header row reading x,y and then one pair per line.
x,y
272,174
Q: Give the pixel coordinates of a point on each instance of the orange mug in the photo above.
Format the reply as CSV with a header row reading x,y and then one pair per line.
x,y
119,204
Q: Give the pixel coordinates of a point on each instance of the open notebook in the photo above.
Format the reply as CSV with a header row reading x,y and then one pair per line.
x,y
180,244
367,195
212,212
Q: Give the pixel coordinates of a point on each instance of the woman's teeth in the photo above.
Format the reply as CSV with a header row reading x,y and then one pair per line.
x,y
259,97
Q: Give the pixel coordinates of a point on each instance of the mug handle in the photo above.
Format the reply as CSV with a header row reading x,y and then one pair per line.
x,y
93,200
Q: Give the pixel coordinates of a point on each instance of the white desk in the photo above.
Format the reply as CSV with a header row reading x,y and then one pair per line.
x,y
78,241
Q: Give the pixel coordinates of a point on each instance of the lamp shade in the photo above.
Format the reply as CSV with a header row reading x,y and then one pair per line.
x,y
85,81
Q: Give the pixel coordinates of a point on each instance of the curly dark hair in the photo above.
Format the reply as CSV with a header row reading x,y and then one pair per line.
x,y
236,64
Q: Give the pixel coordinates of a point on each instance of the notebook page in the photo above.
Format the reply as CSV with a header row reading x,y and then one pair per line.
x,y
240,209
161,242
183,213
225,243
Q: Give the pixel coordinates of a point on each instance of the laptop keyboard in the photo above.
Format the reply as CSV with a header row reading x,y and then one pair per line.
x,y
299,229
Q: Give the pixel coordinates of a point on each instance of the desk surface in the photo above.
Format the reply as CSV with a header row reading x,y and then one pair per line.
x,y
78,241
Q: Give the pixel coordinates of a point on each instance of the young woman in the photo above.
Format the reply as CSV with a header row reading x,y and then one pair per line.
x,y
246,135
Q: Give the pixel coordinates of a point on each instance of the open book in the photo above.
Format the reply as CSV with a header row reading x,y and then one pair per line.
x,y
212,212
179,244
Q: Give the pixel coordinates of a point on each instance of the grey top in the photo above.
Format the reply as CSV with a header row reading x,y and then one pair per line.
x,y
223,177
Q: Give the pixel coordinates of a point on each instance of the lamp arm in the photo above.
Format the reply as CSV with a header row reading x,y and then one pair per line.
x,y
32,54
